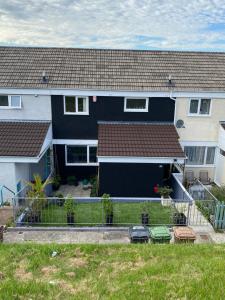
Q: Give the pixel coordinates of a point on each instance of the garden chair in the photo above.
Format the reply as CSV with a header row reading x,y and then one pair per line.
x,y
204,177
189,177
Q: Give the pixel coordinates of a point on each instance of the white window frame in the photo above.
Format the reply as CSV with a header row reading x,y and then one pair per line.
x,y
204,165
136,110
88,163
76,105
199,105
9,106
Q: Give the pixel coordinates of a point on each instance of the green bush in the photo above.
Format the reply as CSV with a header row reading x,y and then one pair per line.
x,y
70,204
219,192
107,204
71,180
94,189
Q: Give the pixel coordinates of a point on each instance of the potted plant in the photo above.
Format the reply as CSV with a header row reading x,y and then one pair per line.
x,y
108,208
56,182
165,192
37,196
179,218
60,199
145,213
70,207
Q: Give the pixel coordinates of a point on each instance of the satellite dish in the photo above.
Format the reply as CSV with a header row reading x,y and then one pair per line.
x,y
180,124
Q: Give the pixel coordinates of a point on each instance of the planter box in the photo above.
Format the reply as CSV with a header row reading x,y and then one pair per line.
x,y
166,201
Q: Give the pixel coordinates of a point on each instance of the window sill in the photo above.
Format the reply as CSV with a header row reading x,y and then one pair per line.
x,y
200,166
9,107
76,114
82,164
135,110
197,115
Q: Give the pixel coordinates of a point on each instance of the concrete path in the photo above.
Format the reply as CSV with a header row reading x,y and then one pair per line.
x,y
96,236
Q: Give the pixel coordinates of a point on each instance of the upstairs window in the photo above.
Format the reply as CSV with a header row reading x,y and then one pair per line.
x,y
10,101
200,107
77,105
200,155
136,104
81,155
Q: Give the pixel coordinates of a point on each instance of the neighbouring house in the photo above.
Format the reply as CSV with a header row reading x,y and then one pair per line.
x,y
126,116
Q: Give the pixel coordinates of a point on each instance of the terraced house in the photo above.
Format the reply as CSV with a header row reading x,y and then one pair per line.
x,y
128,117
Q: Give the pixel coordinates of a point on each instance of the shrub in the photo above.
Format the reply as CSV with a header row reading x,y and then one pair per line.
x,y
71,180
219,192
94,189
70,204
107,204
56,181
165,191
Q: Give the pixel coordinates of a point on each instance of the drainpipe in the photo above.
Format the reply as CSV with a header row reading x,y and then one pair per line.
x,y
175,110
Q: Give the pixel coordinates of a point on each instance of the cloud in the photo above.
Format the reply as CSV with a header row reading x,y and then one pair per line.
x,y
137,24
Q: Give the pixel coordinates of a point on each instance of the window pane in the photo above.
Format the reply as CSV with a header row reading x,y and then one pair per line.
x,y
205,106
77,154
210,155
195,155
136,103
82,104
4,101
194,106
92,154
70,104
15,101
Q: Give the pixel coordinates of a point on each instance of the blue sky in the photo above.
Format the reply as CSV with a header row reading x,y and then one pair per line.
x,y
124,24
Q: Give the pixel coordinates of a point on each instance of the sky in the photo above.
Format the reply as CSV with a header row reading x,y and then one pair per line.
x,y
126,24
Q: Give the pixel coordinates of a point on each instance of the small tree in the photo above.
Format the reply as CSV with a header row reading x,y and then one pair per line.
x,y
165,191
70,207
108,208
37,196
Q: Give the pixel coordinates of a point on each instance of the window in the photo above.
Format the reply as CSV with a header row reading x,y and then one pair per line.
x,y
81,155
200,155
10,101
76,105
136,104
200,107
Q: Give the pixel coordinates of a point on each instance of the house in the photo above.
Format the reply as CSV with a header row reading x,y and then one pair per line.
x,y
127,116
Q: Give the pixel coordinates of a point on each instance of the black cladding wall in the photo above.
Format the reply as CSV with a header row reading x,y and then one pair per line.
x,y
131,180
105,109
80,172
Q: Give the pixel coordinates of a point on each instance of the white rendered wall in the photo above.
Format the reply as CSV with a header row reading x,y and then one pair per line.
x,y
33,108
7,178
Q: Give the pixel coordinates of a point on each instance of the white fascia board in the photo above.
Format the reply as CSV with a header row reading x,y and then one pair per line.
x,y
19,159
177,94
198,143
74,142
47,141
145,160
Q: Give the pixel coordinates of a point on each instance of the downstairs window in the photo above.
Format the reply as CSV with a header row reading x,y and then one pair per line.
x,y
81,154
200,155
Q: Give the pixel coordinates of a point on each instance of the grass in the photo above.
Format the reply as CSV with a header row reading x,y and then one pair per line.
x,y
112,272
92,213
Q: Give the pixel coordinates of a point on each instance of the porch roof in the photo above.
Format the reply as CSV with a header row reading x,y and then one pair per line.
x,y
139,140
22,138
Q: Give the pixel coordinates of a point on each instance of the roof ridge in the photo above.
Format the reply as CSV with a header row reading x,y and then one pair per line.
x,y
115,49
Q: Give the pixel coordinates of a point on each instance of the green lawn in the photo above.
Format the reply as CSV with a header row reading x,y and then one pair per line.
x,y
92,213
112,272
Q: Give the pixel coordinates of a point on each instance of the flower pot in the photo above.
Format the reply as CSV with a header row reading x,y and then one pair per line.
x,y
109,219
70,219
166,201
144,218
